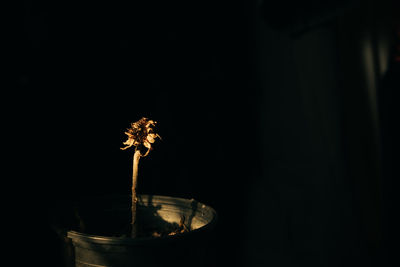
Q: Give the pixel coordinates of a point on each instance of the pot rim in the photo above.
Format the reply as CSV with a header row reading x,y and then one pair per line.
x,y
114,240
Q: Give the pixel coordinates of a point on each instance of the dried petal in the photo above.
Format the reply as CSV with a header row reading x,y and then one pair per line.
x,y
151,137
147,144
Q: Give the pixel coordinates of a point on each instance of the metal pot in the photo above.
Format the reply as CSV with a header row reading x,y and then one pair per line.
x,y
101,242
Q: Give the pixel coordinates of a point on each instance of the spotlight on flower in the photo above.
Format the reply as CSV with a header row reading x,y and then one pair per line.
x,y
141,133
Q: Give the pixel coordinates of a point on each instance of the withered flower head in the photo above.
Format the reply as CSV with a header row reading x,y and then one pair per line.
x,y
141,133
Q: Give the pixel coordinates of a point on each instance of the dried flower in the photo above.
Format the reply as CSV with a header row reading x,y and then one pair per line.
x,y
141,133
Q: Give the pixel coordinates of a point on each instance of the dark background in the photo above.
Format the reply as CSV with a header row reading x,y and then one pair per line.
x,y
279,115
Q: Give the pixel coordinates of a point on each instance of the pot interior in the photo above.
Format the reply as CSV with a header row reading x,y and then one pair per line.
x,y
111,216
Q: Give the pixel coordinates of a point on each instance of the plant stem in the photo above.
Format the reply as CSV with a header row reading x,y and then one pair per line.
x,y
136,158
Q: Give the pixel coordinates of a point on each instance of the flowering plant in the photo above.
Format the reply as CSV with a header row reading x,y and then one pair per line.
x,y
141,135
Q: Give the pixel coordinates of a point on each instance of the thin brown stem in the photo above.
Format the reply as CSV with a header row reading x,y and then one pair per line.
x,y
136,158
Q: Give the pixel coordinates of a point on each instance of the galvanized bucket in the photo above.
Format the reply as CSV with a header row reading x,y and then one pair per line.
x,y
102,217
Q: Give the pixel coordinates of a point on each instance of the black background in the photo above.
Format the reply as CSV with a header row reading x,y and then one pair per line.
x,y
263,109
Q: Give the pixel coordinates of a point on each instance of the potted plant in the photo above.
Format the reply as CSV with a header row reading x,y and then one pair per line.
x,y
139,230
